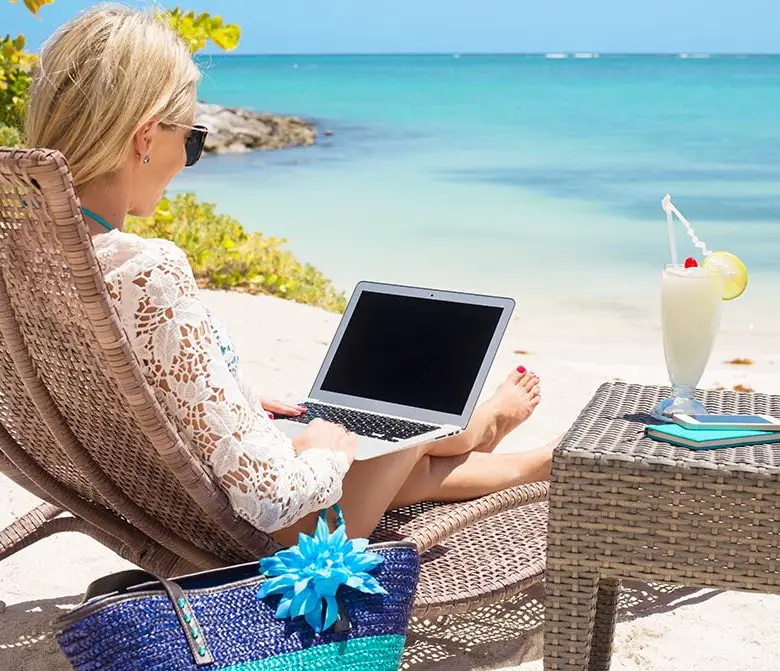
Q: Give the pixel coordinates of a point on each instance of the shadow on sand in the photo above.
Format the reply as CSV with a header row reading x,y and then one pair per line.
x,y
510,633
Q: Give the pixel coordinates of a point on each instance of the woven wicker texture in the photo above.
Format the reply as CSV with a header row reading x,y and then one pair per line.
x,y
79,423
625,506
484,562
94,520
22,421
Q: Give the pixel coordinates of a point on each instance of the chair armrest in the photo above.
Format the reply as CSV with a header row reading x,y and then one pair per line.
x,y
451,519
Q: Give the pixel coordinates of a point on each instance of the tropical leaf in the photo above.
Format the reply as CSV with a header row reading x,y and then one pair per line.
x,y
227,37
34,5
197,29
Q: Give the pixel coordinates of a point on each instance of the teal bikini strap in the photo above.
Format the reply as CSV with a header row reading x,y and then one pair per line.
x,y
98,219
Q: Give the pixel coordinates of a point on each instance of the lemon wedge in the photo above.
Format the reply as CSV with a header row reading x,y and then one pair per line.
x,y
734,272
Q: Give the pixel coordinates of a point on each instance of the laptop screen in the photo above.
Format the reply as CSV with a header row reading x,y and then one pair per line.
x,y
418,352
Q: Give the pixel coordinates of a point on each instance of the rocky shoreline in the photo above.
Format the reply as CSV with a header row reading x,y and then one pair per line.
x,y
235,130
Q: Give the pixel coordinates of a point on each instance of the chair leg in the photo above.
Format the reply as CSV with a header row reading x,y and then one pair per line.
x,y
44,521
27,529
604,625
570,608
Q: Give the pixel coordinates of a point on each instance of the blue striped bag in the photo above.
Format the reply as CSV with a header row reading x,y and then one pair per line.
x,y
327,604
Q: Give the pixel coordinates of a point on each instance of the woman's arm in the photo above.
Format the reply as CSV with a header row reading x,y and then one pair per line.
x,y
168,326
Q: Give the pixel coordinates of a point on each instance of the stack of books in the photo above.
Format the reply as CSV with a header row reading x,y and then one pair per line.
x,y
708,439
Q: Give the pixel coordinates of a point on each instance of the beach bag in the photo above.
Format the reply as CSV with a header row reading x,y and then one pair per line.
x,y
329,603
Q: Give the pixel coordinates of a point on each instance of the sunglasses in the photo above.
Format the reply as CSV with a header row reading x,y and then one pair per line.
x,y
194,143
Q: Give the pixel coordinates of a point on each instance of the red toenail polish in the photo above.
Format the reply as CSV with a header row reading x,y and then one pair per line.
x,y
521,369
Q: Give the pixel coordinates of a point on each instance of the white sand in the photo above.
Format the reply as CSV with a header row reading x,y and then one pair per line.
x,y
282,344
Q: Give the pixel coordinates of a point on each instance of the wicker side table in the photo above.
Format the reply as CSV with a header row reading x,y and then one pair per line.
x,y
624,506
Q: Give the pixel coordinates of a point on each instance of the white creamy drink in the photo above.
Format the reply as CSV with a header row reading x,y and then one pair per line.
x,y
691,305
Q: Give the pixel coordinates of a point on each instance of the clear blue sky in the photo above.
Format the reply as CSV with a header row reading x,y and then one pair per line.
x,y
416,26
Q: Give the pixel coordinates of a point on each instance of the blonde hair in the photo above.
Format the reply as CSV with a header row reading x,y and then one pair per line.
x,y
102,76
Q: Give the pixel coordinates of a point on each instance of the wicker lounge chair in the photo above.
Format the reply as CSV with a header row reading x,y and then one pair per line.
x,y
81,429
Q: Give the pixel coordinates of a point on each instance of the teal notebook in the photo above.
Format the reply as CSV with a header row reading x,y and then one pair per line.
x,y
699,439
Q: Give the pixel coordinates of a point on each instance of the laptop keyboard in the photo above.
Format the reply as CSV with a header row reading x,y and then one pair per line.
x,y
364,423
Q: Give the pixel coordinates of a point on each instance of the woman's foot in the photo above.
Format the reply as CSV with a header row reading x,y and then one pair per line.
x,y
512,404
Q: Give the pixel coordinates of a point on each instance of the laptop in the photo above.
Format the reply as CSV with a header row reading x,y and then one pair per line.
x,y
406,366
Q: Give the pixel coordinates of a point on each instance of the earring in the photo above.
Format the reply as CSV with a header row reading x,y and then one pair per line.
x,y
147,159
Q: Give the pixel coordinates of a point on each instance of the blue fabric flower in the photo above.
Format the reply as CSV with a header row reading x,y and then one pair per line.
x,y
307,576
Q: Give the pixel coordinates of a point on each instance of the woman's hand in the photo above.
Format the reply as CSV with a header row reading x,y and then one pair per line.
x,y
280,408
327,436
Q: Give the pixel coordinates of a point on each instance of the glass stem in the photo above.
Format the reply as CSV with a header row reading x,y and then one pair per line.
x,y
682,391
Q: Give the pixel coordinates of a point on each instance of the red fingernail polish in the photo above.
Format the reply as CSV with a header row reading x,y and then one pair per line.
x,y
521,369
270,415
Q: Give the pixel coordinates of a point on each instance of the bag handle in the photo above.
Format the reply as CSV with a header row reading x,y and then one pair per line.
x,y
336,508
188,623
123,581
118,582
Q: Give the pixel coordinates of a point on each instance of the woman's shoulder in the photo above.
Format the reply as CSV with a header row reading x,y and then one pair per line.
x,y
117,250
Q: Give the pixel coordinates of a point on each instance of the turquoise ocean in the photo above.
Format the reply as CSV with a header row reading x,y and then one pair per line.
x,y
537,176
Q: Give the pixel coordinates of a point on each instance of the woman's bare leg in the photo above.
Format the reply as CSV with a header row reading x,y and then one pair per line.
x,y
373,487
469,476
512,404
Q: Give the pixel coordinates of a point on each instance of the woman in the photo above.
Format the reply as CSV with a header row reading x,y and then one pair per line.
x,y
115,93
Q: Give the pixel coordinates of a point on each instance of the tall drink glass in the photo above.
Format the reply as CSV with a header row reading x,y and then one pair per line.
x,y
691,304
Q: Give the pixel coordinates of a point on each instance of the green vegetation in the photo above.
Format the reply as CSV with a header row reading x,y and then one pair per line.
x,y
15,64
10,137
34,5
197,30
222,254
